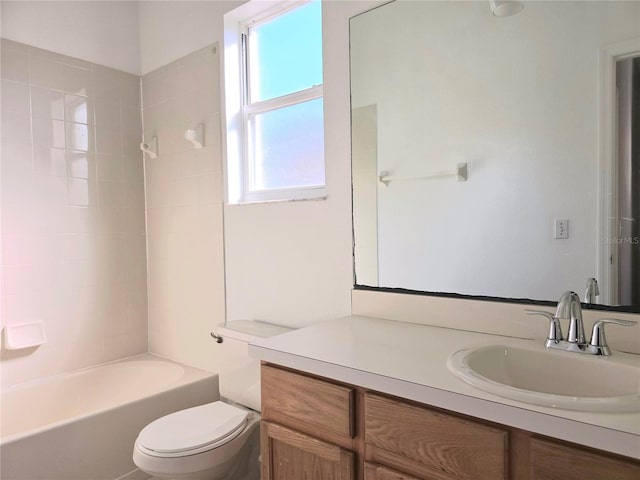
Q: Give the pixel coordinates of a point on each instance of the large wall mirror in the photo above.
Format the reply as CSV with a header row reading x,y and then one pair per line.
x,y
498,156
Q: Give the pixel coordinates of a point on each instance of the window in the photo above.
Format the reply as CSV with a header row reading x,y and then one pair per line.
x,y
274,104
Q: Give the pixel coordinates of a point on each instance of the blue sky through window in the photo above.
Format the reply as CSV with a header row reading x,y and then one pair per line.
x,y
286,53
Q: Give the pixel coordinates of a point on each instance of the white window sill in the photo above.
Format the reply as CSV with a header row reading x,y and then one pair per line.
x,y
286,200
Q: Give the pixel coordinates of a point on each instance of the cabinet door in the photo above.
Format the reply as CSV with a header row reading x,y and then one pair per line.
x,y
554,461
378,472
290,455
432,444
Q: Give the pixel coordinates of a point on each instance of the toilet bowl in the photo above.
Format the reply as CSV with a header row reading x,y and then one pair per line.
x,y
208,442
218,440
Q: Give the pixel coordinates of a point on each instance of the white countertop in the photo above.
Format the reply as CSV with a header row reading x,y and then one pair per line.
x,y
410,361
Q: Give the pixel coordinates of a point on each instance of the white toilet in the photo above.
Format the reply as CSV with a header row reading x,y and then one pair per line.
x,y
219,440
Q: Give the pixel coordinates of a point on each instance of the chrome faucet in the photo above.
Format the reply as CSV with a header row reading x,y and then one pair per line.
x,y
592,291
569,308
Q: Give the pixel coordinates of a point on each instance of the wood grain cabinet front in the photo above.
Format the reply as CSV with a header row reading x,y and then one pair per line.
x,y
432,444
378,472
290,455
309,405
555,461
319,429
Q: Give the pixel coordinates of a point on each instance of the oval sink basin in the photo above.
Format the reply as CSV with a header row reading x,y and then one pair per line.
x,y
551,379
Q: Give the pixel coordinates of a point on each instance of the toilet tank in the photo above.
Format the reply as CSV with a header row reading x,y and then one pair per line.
x,y
239,374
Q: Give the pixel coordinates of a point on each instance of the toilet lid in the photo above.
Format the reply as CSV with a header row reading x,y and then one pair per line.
x,y
194,428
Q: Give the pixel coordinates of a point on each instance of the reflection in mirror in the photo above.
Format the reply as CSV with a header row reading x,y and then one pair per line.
x,y
543,107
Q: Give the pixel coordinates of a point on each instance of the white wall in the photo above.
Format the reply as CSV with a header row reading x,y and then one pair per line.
x,y
102,32
291,262
172,29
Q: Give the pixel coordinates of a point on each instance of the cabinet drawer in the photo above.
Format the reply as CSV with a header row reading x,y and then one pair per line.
x,y
554,461
378,472
309,405
432,444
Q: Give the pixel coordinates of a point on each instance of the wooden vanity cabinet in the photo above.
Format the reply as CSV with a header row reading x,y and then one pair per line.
x,y
430,443
551,460
373,471
289,455
319,429
308,427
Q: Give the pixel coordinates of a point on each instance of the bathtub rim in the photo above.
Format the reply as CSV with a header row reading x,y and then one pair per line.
x,y
191,375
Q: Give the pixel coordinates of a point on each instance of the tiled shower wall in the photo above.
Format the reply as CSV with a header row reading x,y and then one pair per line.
x,y
184,209
73,218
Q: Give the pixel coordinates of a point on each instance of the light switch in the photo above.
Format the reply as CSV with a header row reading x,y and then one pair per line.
x,y
561,228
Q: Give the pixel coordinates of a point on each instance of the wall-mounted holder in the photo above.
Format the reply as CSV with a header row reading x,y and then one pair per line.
x,y
196,136
460,173
24,335
150,148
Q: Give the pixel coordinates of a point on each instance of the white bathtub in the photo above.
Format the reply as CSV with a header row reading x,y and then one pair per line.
x,y
82,426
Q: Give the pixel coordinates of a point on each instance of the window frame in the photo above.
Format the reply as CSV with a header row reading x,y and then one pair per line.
x,y
239,109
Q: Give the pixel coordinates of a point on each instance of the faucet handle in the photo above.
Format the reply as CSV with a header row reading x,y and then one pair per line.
x,y
598,339
555,329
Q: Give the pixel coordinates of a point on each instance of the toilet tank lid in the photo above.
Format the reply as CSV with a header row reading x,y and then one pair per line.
x,y
248,330
193,428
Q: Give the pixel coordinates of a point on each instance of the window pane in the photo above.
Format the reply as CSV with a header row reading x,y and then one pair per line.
x,y
286,53
287,147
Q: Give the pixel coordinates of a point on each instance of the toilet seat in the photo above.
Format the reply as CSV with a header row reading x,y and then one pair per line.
x,y
192,431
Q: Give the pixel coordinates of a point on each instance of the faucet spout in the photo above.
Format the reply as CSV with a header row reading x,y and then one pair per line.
x,y
569,308
592,291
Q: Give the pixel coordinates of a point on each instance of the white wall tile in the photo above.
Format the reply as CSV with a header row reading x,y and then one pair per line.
x,y
51,191
17,161
209,189
74,249
115,347
76,80
131,129
80,192
184,213
111,168
153,91
78,109
14,65
16,128
110,195
109,141
15,97
45,54
48,132
105,83
107,114
110,219
44,72
50,161
47,103
134,167
80,164
79,137
7,44
130,91
18,278
209,159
